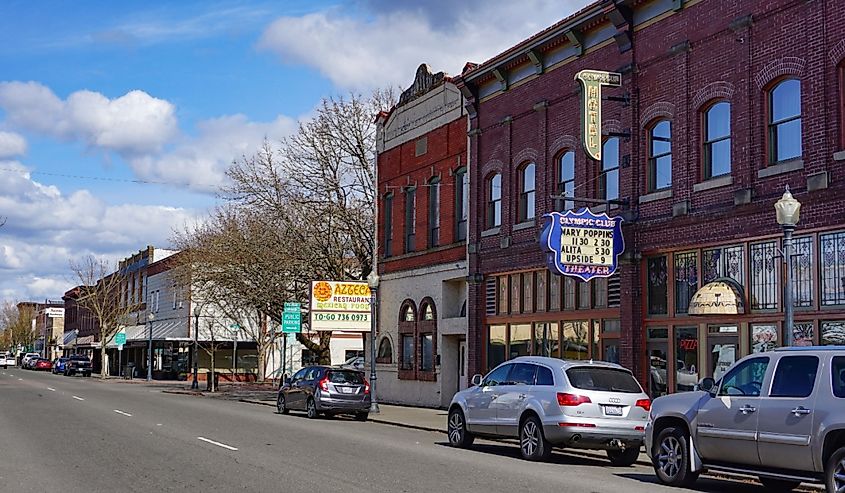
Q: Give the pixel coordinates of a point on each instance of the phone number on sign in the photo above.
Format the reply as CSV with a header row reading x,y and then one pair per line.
x,y
341,317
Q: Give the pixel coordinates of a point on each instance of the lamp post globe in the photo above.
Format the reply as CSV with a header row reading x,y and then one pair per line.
x,y
788,212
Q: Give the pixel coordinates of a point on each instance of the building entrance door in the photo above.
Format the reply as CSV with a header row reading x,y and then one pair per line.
x,y
462,366
722,348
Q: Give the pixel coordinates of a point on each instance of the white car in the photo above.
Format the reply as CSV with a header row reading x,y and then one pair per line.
x,y
27,357
7,359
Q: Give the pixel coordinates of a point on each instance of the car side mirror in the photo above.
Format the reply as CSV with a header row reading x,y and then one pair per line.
x,y
476,380
707,384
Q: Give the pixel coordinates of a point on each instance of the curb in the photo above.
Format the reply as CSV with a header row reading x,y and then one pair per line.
x,y
183,392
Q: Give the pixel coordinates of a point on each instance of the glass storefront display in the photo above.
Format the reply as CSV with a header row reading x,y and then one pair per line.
x,y
496,339
575,340
546,339
686,358
802,334
723,348
520,340
764,337
657,348
833,333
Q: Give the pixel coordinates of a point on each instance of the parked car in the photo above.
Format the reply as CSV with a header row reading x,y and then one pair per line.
x,y
77,363
26,358
776,415
59,365
8,360
40,364
326,390
548,402
356,362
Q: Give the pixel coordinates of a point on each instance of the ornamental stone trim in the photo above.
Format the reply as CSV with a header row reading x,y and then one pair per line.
x,y
491,166
788,65
715,90
525,155
837,53
569,142
611,126
661,109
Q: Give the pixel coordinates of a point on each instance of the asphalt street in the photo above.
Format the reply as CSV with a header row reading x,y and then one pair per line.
x,y
76,434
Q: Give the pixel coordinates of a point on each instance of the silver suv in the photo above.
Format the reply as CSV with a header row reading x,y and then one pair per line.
x,y
778,415
548,402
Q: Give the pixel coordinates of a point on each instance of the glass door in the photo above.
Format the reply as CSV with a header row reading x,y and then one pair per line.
x,y
722,348
686,358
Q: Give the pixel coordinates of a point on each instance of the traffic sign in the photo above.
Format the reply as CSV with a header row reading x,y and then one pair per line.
x,y
292,306
292,318
120,338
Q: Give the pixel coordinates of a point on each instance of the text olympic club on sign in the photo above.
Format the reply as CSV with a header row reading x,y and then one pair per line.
x,y
582,244
340,305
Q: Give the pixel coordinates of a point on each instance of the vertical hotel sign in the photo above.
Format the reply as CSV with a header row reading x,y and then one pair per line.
x,y
591,84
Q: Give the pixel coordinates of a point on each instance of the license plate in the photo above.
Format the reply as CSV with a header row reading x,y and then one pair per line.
x,y
613,410
346,390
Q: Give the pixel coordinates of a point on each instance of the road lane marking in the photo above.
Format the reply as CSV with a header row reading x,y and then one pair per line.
x,y
118,411
51,389
78,398
227,447
20,379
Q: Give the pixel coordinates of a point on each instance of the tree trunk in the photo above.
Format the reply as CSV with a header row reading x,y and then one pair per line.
x,y
104,367
213,380
262,362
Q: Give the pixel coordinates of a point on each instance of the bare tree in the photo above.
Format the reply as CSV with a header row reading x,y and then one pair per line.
x,y
101,293
16,323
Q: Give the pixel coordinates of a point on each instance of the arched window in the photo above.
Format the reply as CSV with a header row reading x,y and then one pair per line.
x,y
527,201
407,336
717,140
385,352
408,314
434,212
660,156
784,115
427,337
566,180
609,178
494,200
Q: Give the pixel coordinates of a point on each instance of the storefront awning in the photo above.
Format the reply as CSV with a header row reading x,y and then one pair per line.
x,y
170,330
69,338
719,297
87,341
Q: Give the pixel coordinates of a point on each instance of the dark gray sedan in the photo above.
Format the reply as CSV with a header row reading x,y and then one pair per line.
x,y
326,390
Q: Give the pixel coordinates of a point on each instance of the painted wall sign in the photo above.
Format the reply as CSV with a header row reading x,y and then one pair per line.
x,y
582,244
591,83
340,306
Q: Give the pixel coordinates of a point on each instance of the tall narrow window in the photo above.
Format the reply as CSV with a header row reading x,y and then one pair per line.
x,y
434,212
660,156
494,201
609,178
832,249
726,261
764,276
658,294
802,268
566,180
686,280
410,219
461,204
841,74
526,192
785,121
717,140
388,225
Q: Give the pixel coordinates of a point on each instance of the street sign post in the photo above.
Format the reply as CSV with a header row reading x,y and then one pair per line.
x,y
292,318
120,340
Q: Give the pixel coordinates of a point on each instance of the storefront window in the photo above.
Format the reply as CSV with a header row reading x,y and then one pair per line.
x,y
610,331
528,292
657,347
764,337
583,295
520,340
546,339
541,277
568,293
657,291
427,352
802,334
502,302
496,337
407,362
724,262
686,280
723,347
516,291
833,333
599,292
554,293
832,248
801,262
686,356
576,340
764,276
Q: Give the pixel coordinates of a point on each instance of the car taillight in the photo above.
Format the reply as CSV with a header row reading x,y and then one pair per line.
x,y
644,403
324,384
567,400
366,387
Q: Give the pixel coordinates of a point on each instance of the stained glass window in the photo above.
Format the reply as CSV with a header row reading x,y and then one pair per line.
x,y
764,276
801,263
802,334
686,280
833,268
657,290
724,262
833,333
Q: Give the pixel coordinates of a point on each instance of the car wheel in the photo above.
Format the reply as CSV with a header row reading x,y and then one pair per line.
x,y
281,404
361,416
772,484
834,471
623,458
457,430
311,409
532,441
671,459
67,374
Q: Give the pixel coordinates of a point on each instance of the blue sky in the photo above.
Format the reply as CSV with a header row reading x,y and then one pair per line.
x,y
97,94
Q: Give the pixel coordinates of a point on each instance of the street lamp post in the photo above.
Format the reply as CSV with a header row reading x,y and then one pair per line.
x,y
194,382
788,210
150,317
372,281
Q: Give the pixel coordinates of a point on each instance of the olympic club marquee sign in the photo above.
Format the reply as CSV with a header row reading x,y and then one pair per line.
x,y
340,305
582,244
591,84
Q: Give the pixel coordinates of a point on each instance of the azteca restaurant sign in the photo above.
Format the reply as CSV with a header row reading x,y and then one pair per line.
x,y
582,244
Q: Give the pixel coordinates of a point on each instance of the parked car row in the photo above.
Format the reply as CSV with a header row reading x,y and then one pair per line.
x,y
326,390
68,366
7,360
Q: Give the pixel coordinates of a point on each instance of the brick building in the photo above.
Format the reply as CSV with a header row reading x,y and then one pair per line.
x,y
722,105
422,227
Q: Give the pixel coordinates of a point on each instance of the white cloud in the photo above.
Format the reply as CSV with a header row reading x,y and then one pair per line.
x,y
11,145
365,51
130,124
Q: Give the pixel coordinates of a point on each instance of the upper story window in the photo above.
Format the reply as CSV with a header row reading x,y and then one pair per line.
x,y
461,204
566,179
841,76
717,140
494,201
410,219
526,192
784,114
660,156
609,178
434,212
388,225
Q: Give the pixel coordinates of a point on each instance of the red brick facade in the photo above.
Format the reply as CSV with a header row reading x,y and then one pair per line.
x,y
678,62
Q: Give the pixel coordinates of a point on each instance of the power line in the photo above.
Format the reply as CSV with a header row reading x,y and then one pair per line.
x,y
95,178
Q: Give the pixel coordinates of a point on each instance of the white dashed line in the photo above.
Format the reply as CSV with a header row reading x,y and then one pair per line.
x,y
227,447
20,380
118,411
51,389
78,398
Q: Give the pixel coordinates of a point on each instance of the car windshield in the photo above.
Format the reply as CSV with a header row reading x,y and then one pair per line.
x,y
603,379
352,377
